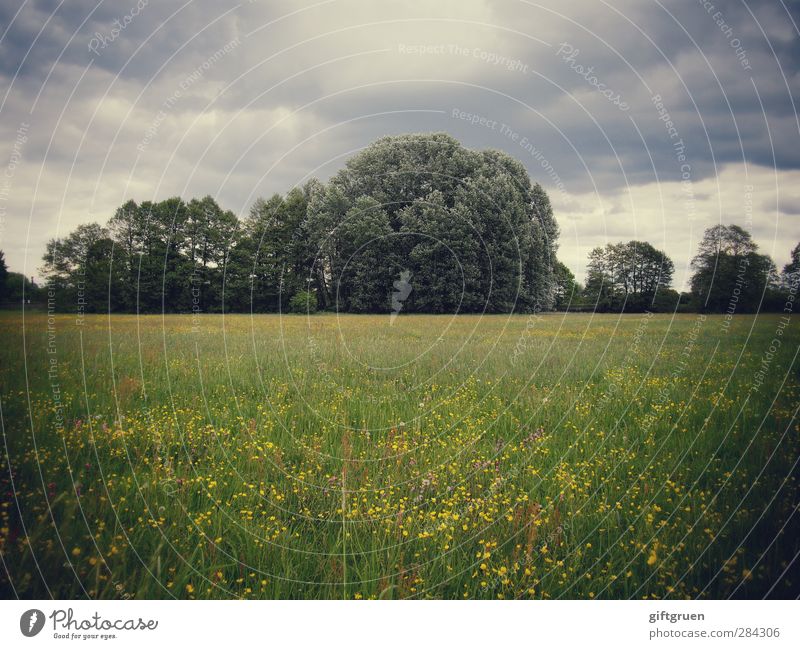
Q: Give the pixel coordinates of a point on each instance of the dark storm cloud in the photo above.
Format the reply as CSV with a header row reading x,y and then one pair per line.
x,y
151,110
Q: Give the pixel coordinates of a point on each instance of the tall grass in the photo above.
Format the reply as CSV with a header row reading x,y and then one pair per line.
x,y
344,456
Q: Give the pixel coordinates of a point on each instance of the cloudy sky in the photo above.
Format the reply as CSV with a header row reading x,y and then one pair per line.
x,y
643,119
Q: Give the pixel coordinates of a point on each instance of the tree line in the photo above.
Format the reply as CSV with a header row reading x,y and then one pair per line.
x,y
457,230
468,230
729,275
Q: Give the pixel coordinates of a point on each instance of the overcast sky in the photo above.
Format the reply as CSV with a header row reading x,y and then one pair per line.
x,y
110,101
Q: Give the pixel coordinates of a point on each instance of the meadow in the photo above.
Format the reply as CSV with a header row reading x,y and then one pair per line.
x,y
345,456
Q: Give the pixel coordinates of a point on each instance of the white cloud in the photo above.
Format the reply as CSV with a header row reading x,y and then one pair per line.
x,y
659,213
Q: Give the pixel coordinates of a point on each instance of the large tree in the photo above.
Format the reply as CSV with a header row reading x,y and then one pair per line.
x,y
441,263
105,281
729,273
270,255
472,216
210,233
627,276
65,264
566,289
128,228
150,238
791,271
366,257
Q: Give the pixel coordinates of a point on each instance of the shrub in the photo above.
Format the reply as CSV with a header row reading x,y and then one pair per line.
x,y
303,302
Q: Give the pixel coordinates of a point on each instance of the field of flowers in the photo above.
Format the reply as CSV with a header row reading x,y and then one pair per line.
x,y
355,457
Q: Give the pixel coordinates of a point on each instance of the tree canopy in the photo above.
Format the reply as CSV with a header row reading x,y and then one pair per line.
x,y
729,273
629,276
469,226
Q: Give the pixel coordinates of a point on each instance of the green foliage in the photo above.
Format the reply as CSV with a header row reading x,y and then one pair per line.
x,y
629,276
476,235
467,227
467,230
3,278
791,271
19,288
566,290
365,261
729,273
66,261
442,264
303,302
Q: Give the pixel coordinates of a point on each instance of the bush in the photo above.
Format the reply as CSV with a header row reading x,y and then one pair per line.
x,y
303,302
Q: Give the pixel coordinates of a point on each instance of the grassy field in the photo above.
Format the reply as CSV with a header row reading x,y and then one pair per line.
x,y
493,457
